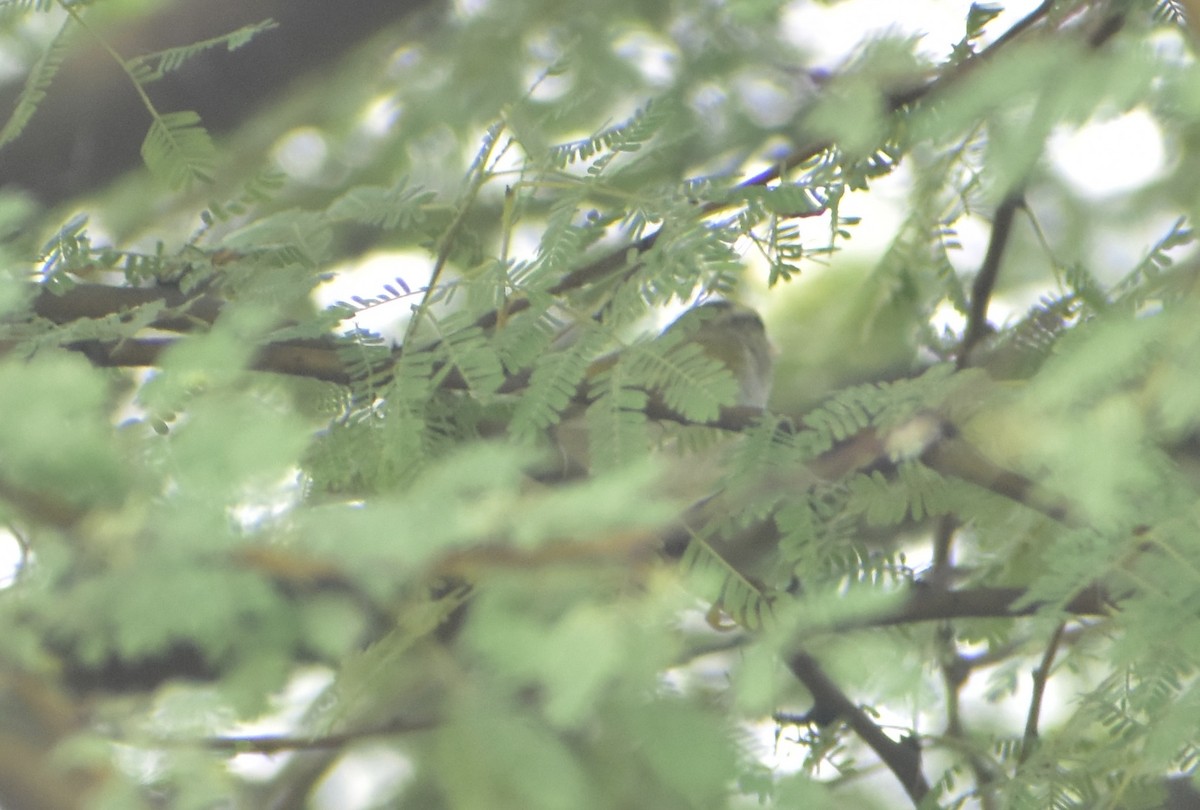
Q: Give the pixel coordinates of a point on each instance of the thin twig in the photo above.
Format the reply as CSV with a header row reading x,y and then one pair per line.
x,y
955,671
445,242
985,281
943,548
1041,677
1024,23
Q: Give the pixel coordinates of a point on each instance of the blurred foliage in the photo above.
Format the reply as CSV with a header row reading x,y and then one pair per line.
x,y
218,486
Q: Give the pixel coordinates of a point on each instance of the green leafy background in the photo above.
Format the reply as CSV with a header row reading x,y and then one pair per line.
x,y
287,489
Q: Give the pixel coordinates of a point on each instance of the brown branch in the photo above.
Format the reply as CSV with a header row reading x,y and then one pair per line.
x,y
943,548
902,758
1023,24
314,359
101,300
1107,28
985,281
44,508
1002,222
955,671
953,456
932,603
1041,676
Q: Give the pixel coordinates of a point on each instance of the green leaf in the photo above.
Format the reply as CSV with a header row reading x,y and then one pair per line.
x,y
532,769
690,382
469,350
153,66
686,748
398,206
616,424
979,15
553,385
56,438
37,83
178,150
134,614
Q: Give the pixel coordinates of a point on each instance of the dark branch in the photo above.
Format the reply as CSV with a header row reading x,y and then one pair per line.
x,y
902,758
985,282
1002,222
100,301
1041,676
932,603
1026,22
955,671
953,456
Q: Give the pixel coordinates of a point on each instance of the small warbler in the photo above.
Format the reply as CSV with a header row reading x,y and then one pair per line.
x,y
728,332
735,335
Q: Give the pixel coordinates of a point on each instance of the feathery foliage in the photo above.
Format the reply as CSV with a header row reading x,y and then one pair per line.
x,y
37,82
373,391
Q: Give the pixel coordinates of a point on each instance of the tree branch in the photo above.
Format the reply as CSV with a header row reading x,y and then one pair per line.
x,y
314,359
985,281
933,603
902,758
102,300
955,671
1041,676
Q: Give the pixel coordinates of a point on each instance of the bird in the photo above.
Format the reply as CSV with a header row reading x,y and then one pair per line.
x,y
736,336
732,334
